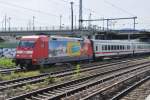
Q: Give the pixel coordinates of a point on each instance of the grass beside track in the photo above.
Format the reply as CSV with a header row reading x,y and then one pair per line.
x,y
19,75
6,63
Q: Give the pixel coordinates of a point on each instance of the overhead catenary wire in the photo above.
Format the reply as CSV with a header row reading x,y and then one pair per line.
x,y
65,15
119,8
29,9
14,5
23,19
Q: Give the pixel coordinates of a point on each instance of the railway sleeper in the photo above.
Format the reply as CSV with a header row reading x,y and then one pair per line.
x,y
35,98
42,96
45,93
58,91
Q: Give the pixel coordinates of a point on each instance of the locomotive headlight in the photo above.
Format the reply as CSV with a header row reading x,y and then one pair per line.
x,y
19,52
29,52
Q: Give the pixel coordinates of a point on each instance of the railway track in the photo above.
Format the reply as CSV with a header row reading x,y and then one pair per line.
x,y
111,91
103,89
9,70
40,78
139,91
123,93
67,88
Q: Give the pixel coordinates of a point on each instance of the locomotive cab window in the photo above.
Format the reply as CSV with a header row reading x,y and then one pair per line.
x,y
27,43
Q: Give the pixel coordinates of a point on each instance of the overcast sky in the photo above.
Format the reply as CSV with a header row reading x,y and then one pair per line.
x,y
47,12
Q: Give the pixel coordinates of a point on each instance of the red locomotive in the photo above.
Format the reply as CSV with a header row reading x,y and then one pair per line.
x,y
40,50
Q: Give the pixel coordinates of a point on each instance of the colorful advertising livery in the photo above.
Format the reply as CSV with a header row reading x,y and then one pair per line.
x,y
67,48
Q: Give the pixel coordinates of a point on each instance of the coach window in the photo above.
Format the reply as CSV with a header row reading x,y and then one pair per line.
x,y
109,47
96,48
112,47
123,47
103,48
117,47
120,47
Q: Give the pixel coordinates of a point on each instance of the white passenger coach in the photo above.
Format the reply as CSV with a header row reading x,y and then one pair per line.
x,y
104,48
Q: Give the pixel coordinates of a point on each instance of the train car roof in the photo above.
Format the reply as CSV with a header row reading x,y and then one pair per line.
x,y
33,36
30,36
65,38
117,41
